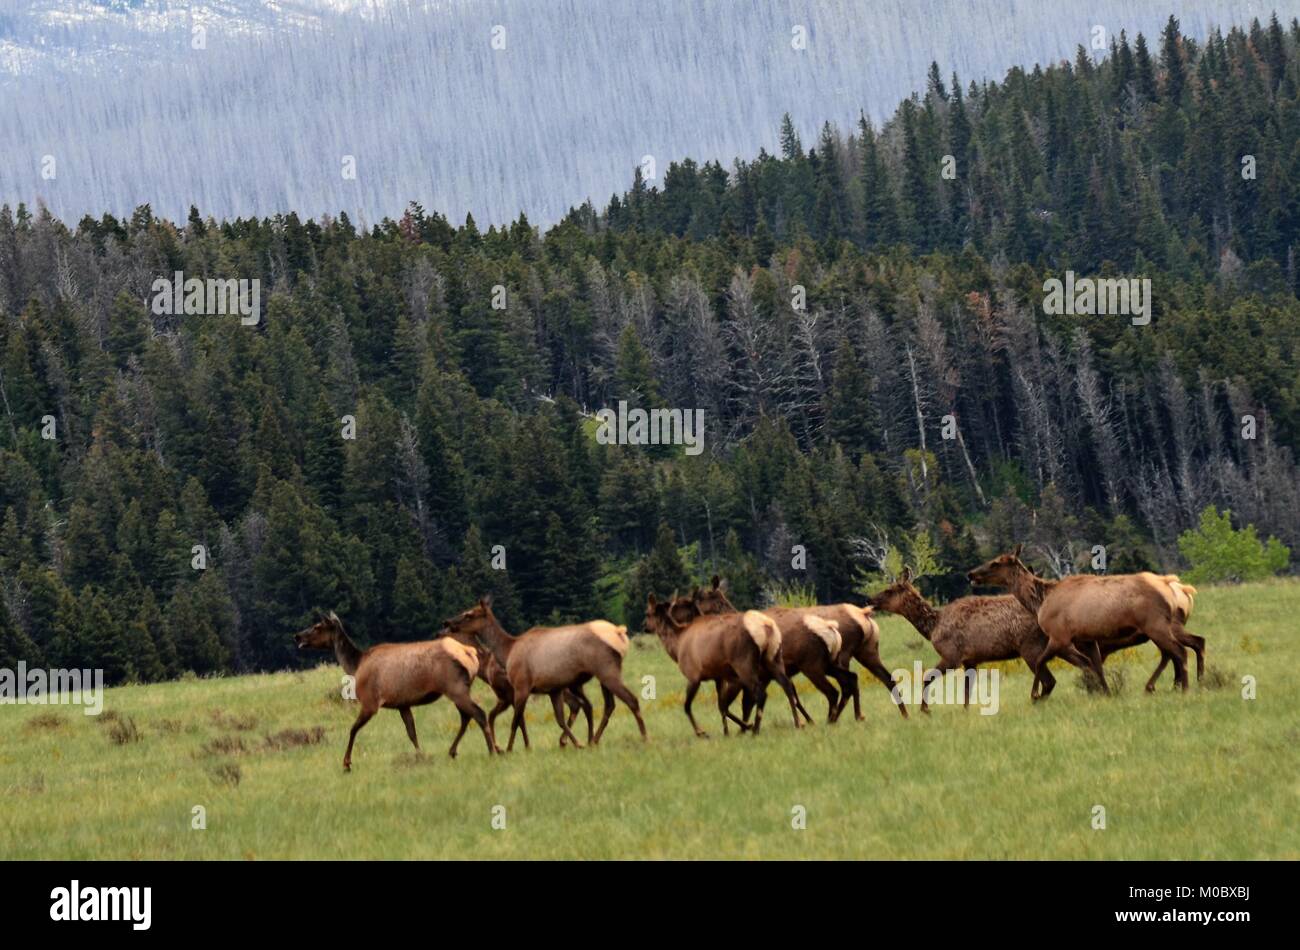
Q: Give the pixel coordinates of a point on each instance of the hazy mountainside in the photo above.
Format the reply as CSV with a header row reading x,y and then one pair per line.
x,y
258,121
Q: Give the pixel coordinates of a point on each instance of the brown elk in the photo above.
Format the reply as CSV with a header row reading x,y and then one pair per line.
x,y
743,647
859,640
809,645
494,674
968,631
552,660
401,675
1181,597
1105,610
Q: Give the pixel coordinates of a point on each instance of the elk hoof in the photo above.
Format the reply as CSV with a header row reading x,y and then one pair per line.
x,y
701,734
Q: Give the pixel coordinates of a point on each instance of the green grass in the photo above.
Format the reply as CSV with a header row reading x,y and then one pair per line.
x,y
1206,775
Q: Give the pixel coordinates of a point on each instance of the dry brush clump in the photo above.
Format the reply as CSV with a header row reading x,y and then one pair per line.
x,y
123,731
224,745
226,773
46,722
237,723
293,738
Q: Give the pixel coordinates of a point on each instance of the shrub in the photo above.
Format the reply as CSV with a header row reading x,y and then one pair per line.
x,y
1217,552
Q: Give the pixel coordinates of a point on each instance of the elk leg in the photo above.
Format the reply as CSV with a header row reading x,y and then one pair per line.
x,y
501,706
853,693
968,674
577,702
469,709
727,690
1091,660
1029,655
692,688
610,683
1198,647
585,704
464,723
847,681
557,704
409,722
1166,637
755,697
521,700
929,677
796,707
869,656
818,678
362,718
1164,661
747,702
608,711
1040,665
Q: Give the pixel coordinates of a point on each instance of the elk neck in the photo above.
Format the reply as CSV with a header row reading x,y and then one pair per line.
x,y
1031,590
495,638
918,612
346,652
668,636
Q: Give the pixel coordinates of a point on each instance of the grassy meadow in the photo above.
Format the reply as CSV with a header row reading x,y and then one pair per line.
x,y
1206,775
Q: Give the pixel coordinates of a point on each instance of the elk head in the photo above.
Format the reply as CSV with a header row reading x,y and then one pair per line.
x,y
893,598
712,600
467,626
1002,571
659,618
320,635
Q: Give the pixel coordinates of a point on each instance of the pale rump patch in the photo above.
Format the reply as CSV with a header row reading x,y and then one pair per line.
x,y
764,631
615,637
1162,585
861,615
828,631
1184,595
465,656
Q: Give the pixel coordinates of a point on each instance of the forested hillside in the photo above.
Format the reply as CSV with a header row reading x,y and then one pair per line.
x,y
824,425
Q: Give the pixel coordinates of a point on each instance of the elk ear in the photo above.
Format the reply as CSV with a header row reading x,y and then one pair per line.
x,y
1015,552
485,600
651,602
334,619
717,582
906,576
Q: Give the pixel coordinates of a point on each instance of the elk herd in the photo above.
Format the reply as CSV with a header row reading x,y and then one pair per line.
x,y
1081,618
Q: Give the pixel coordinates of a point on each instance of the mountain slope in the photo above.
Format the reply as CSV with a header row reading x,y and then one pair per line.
x,y
260,119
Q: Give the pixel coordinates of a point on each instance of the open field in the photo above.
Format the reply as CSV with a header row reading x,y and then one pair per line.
x,y
1207,775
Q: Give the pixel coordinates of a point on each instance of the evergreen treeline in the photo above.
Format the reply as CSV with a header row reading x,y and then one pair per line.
x,y
182,442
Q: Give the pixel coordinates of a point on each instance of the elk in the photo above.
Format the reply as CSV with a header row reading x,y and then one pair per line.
x,y
401,675
968,631
1181,600
552,660
743,647
809,645
1104,610
494,674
